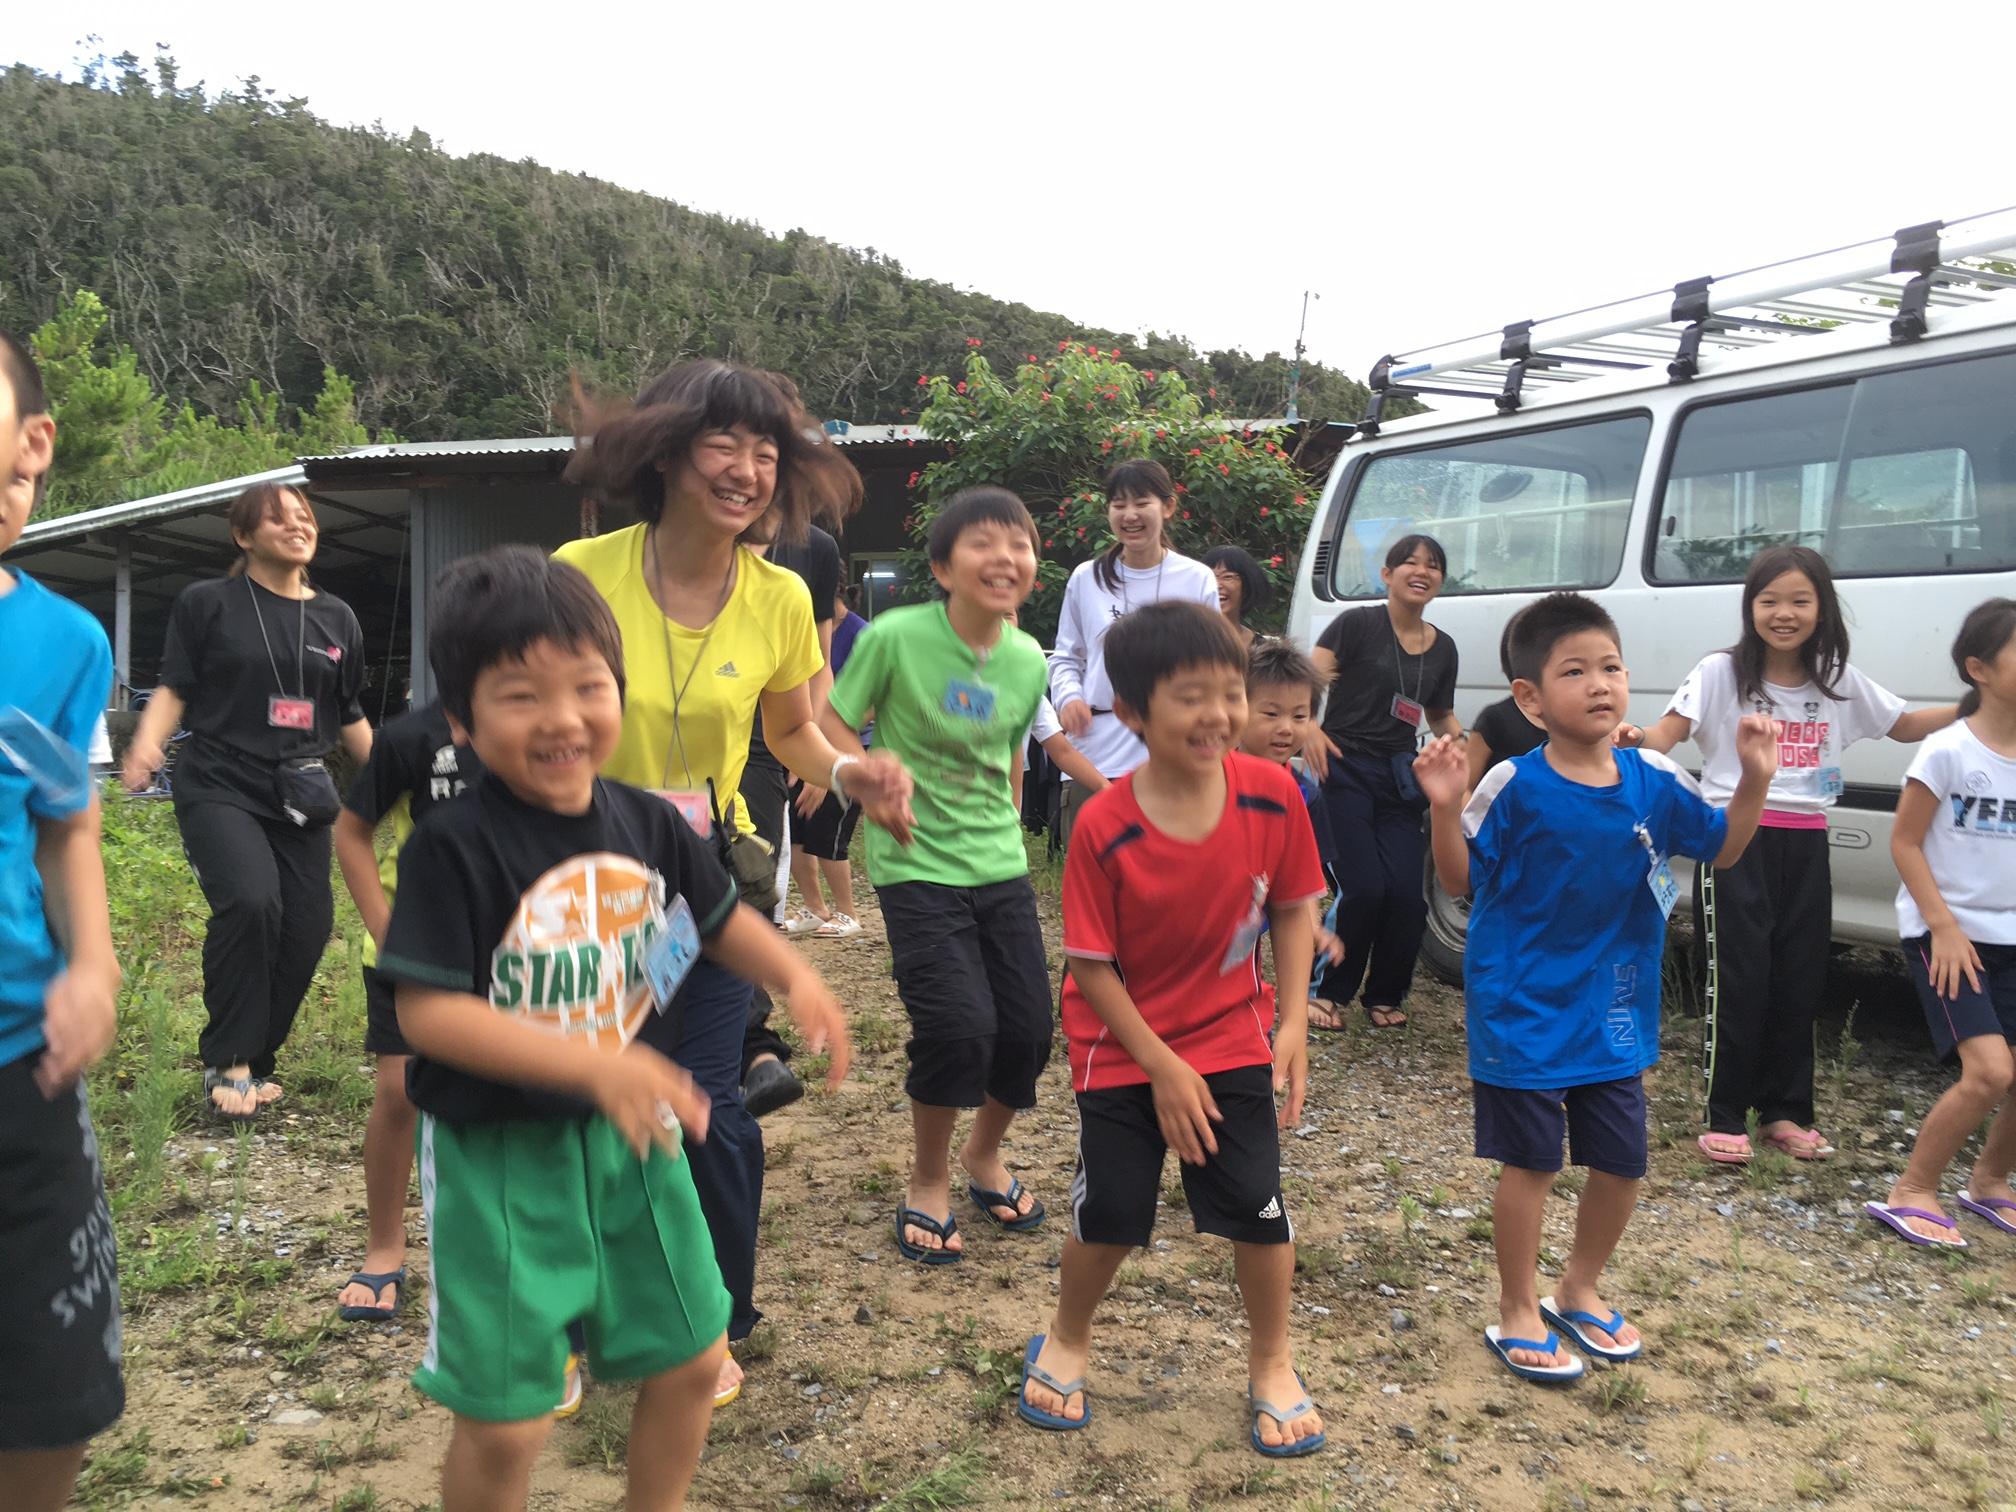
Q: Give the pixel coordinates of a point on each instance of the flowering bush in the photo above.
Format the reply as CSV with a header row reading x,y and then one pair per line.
x,y
1053,424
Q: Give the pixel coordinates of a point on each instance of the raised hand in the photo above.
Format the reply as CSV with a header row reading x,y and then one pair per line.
x,y
1757,745
1442,773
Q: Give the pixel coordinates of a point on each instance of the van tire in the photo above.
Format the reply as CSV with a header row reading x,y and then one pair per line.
x,y
1448,927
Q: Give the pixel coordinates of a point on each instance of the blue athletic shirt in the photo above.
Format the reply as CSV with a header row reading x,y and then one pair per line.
x,y
1561,967
57,669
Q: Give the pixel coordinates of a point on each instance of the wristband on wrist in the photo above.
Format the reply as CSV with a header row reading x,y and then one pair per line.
x,y
840,764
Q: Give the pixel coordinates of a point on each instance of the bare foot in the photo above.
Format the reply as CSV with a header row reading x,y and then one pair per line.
x,y
1981,1187
268,1091
227,1099
1323,1014
1065,1363
992,1175
376,1263
1274,1381
1524,1322
930,1200
1588,1302
1913,1197
730,1378
1384,1017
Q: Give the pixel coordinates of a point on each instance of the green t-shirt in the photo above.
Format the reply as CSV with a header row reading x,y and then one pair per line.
x,y
957,724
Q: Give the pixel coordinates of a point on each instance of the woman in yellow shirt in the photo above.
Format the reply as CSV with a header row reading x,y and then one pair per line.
x,y
712,632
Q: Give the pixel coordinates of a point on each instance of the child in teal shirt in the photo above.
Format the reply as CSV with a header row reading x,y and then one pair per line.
x,y
951,688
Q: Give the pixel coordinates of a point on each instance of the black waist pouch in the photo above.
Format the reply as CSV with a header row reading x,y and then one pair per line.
x,y
306,792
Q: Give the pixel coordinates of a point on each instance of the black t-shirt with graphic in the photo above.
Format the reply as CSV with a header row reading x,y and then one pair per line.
x,y
817,560
414,759
1371,669
1508,732
228,672
548,916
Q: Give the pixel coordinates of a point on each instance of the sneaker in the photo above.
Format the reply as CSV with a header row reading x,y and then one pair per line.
x,y
839,927
802,922
570,1398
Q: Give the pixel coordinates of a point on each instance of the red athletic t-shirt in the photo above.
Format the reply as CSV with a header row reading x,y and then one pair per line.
x,y
1180,920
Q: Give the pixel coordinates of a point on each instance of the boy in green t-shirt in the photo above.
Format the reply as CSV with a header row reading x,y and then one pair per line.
x,y
951,687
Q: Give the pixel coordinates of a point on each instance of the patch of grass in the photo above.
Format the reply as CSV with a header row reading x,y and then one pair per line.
x,y
818,1480
761,1344
599,1435
956,1483
1847,1050
998,1373
1923,1441
357,1499
113,1472
1619,1391
1995,1418
236,1436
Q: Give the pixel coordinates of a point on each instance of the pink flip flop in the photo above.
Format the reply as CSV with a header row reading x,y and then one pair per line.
x,y
1990,1208
1807,1144
1737,1153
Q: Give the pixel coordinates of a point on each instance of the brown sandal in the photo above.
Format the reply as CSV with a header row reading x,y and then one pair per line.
x,y
1329,1011
1385,1018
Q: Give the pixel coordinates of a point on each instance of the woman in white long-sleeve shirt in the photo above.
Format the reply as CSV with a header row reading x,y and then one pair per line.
x,y
1139,568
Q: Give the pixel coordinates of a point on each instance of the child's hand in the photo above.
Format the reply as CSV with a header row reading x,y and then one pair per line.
x,y
636,1089
79,1020
1317,749
882,785
1953,957
1443,773
1185,1110
1329,947
136,773
823,1023
1627,737
1757,745
1291,1070
1075,717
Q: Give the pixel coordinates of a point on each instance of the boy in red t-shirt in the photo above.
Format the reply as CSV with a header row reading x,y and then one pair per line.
x,y
1171,876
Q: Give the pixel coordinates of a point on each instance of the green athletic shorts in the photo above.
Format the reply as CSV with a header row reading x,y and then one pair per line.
x,y
534,1225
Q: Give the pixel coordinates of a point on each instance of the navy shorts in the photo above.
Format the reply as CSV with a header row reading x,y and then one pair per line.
x,y
1604,1123
1992,1010
381,1017
974,977
1235,1194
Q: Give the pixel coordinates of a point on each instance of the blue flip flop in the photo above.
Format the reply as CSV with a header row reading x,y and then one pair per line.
x,y
945,1229
1284,1416
1572,1324
1547,1375
987,1201
1031,1371
377,1281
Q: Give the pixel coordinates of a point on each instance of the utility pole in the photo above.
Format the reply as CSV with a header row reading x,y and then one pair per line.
x,y
1295,368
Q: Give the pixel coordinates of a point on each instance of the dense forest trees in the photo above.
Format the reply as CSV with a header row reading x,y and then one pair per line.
x,y
238,240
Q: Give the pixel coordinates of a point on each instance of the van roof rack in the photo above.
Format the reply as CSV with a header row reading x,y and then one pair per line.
x,y
1895,279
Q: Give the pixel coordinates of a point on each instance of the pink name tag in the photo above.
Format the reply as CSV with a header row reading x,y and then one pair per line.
x,y
290,713
1407,711
692,807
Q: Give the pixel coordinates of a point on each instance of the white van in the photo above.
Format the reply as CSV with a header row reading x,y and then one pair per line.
x,y
1862,402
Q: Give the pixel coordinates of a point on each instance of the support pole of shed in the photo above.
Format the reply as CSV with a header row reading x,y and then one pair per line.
x,y
122,619
421,675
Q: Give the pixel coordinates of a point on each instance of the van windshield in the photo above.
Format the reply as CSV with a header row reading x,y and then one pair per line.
x,y
1537,509
1905,472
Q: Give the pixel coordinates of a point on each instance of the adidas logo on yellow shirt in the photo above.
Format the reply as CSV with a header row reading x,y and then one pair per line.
x,y
726,669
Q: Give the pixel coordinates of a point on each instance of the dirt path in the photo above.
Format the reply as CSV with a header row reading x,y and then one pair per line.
x,y
1796,1353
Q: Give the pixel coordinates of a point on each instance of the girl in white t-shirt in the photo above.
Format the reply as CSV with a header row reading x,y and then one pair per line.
x,y
1954,843
1767,920
1139,568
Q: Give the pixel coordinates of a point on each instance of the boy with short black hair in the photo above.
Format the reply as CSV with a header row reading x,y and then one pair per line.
x,y
59,987
540,919
1564,853
1171,876
951,687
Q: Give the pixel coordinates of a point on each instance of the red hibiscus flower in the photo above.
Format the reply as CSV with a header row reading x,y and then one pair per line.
x,y
1274,561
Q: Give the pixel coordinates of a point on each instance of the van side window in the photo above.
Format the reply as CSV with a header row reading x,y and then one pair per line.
x,y
1906,472
1531,510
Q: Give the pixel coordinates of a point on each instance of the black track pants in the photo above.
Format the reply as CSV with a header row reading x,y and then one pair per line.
x,y
267,883
1382,906
1766,922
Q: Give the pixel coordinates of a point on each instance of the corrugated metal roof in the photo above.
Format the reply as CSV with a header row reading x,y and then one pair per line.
x,y
507,447
159,507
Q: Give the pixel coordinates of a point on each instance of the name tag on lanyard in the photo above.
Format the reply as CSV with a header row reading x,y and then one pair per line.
x,y
1658,874
670,956
284,713
693,807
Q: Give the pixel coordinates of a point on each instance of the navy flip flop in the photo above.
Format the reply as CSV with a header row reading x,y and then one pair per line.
x,y
1031,1371
1547,1375
945,1229
1573,1322
377,1281
1284,1416
987,1201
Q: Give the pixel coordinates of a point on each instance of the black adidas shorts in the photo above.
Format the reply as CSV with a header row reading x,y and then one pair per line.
x,y
381,1017
59,1332
1235,1194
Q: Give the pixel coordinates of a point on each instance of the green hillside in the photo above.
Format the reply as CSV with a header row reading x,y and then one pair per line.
x,y
235,238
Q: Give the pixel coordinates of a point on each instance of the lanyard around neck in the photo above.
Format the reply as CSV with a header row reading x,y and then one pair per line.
x,y
1399,676
1127,598
300,647
679,686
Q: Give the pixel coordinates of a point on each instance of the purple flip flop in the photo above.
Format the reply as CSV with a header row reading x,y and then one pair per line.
x,y
1986,1207
1894,1218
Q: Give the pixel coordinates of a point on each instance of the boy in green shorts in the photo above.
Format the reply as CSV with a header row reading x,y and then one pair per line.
x,y
539,920
952,688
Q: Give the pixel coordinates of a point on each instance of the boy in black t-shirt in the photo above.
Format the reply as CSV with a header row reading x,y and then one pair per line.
x,y
539,921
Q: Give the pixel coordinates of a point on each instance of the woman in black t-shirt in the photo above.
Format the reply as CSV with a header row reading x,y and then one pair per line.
x,y
1394,678
265,672
1501,731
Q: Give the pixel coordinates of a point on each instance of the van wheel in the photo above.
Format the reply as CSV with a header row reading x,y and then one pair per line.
x,y
1448,927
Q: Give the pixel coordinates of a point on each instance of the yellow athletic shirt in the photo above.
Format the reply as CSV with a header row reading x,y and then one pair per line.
x,y
764,639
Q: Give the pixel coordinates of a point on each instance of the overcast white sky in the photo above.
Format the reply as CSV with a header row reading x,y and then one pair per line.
x,y
1429,170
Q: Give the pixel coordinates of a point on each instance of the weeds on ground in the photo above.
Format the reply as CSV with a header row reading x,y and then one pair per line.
x,y
599,1435
955,1483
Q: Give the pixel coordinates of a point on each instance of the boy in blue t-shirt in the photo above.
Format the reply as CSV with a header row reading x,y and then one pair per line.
x,y
59,985
1565,852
